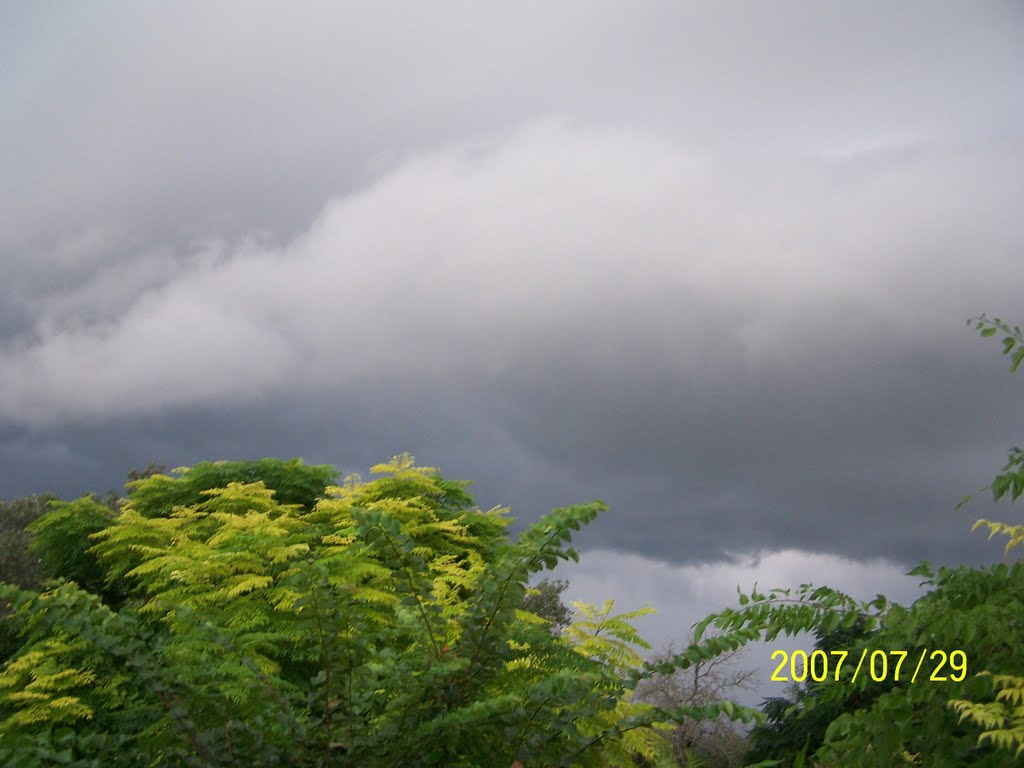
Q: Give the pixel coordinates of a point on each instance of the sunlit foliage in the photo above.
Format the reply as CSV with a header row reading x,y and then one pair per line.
x,y
261,619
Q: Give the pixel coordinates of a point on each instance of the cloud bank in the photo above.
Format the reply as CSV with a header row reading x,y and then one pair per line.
x,y
593,253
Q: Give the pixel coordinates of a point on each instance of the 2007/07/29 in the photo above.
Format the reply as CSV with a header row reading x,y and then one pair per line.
x,y
816,666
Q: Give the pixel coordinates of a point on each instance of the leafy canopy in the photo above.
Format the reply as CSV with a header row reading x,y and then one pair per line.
x,y
264,617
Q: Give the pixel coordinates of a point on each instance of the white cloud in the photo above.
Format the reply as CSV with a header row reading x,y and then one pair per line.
x,y
467,263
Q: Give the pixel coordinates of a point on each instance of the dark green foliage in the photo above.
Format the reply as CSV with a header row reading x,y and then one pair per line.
x,y
798,722
150,469
18,565
62,541
293,482
546,602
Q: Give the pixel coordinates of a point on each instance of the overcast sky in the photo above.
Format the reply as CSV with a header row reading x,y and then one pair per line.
x,y
708,261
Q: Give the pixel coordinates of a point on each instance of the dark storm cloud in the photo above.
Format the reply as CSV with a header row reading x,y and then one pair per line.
x,y
736,357
722,288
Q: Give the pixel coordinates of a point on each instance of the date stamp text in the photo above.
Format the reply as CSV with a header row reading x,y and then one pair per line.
x,y
934,665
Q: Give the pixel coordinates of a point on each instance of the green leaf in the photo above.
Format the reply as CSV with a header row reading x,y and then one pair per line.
x,y
1016,359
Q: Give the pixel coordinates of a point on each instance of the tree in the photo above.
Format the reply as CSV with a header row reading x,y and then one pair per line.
x,y
369,624
153,468
797,723
17,564
27,563
1002,717
712,743
545,600
62,541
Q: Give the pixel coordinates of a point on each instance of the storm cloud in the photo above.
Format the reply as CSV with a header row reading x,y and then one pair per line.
x,y
710,263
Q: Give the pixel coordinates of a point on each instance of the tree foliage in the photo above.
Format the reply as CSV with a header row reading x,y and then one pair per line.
x,y
155,493
1002,717
18,565
545,600
796,724
375,623
63,544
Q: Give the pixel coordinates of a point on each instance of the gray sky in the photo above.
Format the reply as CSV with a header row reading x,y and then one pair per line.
x,y
710,262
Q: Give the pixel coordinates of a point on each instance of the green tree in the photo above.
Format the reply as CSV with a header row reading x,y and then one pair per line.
x,y
18,565
797,723
377,623
153,468
545,600
62,541
1002,715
